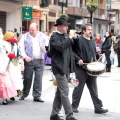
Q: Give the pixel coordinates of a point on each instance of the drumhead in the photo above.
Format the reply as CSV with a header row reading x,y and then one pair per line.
x,y
96,66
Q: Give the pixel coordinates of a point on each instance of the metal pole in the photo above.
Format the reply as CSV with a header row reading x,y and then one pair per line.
x,y
27,20
91,17
46,22
62,7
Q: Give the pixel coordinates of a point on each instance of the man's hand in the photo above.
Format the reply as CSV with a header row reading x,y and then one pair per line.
x,y
72,34
80,62
101,56
43,48
28,59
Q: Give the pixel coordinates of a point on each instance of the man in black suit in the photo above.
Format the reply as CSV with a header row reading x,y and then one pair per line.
x,y
84,47
62,58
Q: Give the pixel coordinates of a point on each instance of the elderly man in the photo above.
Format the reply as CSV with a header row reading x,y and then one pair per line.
x,y
62,58
32,48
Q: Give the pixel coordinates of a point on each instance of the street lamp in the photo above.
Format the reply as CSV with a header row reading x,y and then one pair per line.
x,y
109,15
62,2
91,7
109,21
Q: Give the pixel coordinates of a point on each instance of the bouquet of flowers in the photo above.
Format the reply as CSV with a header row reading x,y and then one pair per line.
x,y
11,56
110,22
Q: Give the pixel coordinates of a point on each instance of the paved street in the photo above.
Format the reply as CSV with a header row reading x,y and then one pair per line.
x,y
108,88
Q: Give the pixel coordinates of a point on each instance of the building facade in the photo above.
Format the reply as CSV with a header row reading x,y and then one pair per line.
x,y
115,6
45,17
79,15
10,17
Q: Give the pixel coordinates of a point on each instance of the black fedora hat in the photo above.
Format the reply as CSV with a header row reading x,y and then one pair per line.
x,y
61,21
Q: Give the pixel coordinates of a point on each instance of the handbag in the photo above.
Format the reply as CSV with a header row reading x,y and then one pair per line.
x,y
73,82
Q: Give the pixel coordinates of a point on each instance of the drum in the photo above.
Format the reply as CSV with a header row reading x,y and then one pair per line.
x,y
95,68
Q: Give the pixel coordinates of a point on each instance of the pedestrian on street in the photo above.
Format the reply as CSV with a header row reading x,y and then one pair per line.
x,y
117,46
62,58
32,48
106,48
85,49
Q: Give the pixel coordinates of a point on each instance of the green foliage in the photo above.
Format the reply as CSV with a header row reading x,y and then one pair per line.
x,y
92,3
65,16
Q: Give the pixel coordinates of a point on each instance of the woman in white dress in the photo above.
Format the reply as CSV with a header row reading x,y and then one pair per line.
x,y
14,68
7,86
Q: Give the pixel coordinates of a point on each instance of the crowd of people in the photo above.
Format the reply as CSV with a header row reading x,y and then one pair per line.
x,y
68,53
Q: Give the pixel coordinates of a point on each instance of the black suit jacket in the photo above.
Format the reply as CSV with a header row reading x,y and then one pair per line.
x,y
83,50
62,55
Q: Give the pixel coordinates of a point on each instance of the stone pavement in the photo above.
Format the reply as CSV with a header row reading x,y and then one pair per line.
x,y
108,89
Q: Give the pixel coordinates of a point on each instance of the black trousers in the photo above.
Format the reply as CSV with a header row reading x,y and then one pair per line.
x,y
91,83
118,57
107,55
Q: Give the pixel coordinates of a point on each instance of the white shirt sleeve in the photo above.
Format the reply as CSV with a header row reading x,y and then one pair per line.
x,y
21,47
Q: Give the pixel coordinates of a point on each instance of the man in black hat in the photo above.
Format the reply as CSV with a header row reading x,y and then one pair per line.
x,y
62,58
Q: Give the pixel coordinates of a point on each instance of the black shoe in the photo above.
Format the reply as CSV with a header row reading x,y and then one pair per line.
x,y
22,98
38,100
100,110
72,118
12,98
55,117
75,110
4,103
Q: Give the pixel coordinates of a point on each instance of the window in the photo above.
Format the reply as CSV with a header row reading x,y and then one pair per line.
x,y
56,2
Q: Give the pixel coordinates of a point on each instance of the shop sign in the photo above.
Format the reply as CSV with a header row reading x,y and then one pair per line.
x,y
37,14
27,13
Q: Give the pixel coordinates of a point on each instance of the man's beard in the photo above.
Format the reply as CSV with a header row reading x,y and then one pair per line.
x,y
90,34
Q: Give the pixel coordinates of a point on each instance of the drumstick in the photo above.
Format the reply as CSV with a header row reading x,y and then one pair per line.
x,y
85,63
98,59
92,63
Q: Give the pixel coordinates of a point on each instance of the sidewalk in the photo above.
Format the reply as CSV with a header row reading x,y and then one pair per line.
x,y
108,89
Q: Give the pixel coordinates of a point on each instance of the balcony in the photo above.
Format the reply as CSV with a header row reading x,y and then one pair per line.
x,y
82,11
115,5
